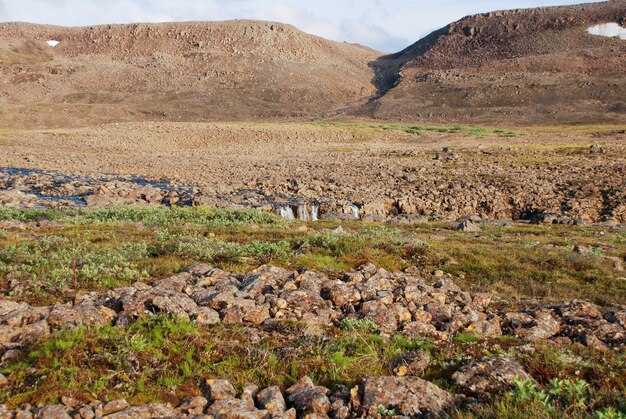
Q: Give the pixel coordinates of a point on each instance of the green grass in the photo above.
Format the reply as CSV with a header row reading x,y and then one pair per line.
x,y
120,246
160,359
471,131
154,217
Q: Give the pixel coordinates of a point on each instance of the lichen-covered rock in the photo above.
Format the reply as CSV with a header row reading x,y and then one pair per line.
x,y
542,327
235,409
407,396
115,406
307,398
411,363
86,313
217,390
493,374
272,400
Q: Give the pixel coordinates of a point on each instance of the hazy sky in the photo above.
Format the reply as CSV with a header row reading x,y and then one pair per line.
x,y
386,25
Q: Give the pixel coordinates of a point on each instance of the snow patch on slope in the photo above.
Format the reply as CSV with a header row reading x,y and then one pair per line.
x,y
610,30
53,43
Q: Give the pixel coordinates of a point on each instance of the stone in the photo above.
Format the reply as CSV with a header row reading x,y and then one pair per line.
x,y
207,316
307,398
52,412
411,363
487,375
272,400
3,380
408,396
217,390
544,327
115,406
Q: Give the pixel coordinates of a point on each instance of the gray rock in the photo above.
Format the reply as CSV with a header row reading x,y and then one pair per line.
x,y
272,400
408,396
308,398
217,390
114,407
52,412
493,374
85,313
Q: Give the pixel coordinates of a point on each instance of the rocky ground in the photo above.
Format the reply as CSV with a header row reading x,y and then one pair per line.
x,y
374,172
293,341
390,303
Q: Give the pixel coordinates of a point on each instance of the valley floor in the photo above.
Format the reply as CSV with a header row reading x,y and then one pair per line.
x,y
145,271
383,170
106,309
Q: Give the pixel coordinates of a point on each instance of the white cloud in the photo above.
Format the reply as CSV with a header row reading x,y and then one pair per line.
x,y
386,25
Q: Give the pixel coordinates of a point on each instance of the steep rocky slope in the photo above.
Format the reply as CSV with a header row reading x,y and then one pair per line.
x,y
175,71
519,66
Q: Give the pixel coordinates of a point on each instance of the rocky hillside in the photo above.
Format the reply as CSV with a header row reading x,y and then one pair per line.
x,y
529,66
176,71
510,67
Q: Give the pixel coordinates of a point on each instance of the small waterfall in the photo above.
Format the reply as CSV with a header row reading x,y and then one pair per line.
x,y
303,213
356,211
315,212
286,212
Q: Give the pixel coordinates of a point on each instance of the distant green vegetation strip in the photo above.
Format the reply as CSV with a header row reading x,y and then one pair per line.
x,y
149,216
471,131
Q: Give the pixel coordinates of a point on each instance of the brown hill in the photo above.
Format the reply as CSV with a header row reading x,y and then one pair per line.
x,y
174,71
519,66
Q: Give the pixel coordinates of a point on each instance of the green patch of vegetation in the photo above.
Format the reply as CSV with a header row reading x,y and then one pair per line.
x,y
471,131
120,246
149,216
160,359
361,325
465,338
571,397
53,262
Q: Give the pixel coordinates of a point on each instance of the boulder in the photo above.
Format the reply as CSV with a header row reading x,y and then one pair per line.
x,y
272,400
407,396
307,398
217,390
488,375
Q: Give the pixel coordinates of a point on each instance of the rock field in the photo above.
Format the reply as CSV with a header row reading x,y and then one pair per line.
x,y
310,171
396,303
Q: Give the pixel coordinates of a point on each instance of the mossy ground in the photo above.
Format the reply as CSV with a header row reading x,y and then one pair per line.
x,y
162,359
120,246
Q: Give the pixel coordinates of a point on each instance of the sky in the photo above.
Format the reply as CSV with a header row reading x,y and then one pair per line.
x,y
385,25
